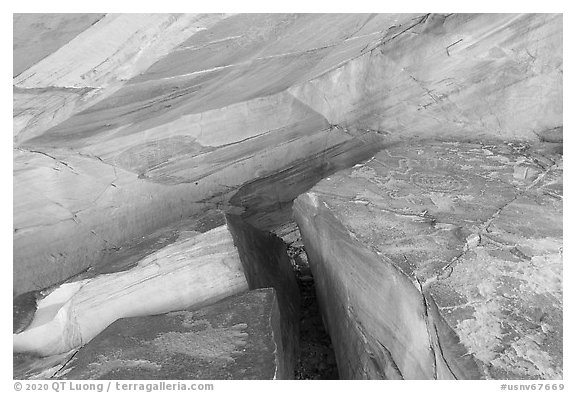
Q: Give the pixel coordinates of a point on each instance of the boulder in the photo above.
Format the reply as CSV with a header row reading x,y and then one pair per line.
x,y
441,260
239,337
194,269
190,272
266,264
129,128
197,105
124,124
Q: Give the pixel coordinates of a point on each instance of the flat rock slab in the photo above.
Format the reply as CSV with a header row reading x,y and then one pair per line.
x,y
237,338
23,310
140,117
454,249
179,268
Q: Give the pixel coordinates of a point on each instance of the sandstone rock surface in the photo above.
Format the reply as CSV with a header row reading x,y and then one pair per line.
x,y
132,132
192,270
237,338
441,260
124,124
189,272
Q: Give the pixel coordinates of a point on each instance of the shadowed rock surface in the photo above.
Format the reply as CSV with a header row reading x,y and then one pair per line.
x,y
134,132
140,121
190,272
430,253
266,264
195,270
236,338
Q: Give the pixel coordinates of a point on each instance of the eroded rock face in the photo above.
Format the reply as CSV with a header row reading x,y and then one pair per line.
x,y
458,75
237,338
124,124
266,265
429,253
127,128
190,272
200,266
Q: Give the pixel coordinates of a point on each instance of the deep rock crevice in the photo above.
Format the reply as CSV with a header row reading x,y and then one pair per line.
x,y
419,155
332,203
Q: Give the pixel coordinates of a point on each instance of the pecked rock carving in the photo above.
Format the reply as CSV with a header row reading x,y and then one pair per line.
x,y
236,338
424,152
437,261
195,270
177,113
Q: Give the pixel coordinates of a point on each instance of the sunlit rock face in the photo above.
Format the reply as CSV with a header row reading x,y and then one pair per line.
x,y
130,131
189,272
441,260
180,268
127,123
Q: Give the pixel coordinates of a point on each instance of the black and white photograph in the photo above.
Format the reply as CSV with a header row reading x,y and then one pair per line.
x,y
287,196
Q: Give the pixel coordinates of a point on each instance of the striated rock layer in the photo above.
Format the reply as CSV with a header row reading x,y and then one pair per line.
x,y
191,271
124,124
31,366
237,338
441,260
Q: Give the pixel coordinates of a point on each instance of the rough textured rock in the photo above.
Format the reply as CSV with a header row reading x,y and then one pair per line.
x,y
266,264
30,366
441,260
237,338
124,124
455,75
191,272
199,266
131,130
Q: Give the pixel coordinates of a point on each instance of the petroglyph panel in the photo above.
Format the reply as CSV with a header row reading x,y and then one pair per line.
x,y
477,228
237,338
